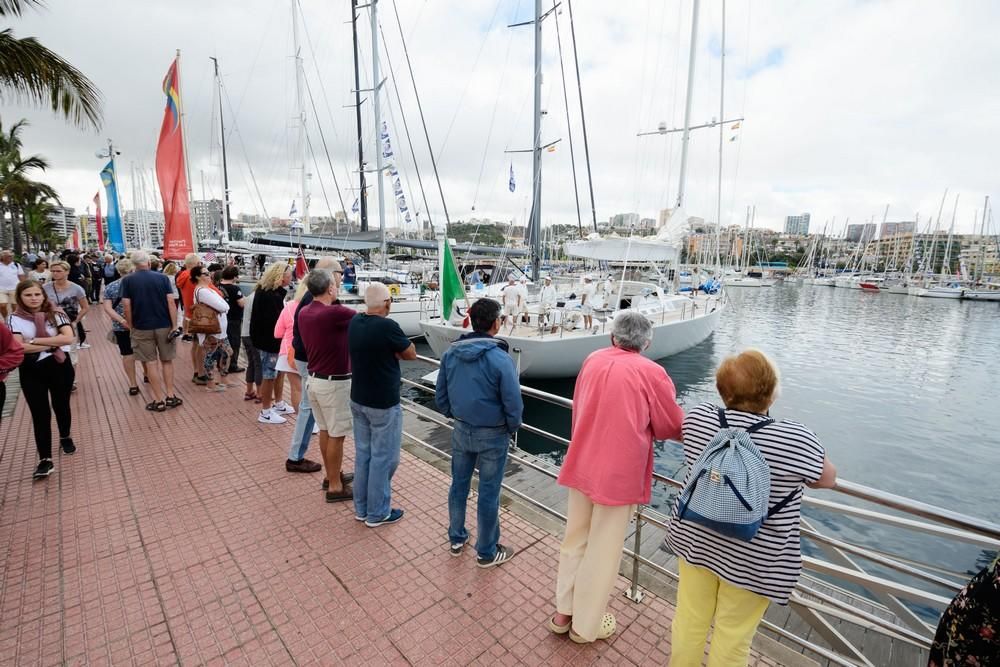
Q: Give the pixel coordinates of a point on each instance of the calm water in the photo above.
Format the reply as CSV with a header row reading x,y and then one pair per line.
x,y
902,391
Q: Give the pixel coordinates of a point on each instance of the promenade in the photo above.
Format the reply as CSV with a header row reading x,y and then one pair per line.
x,y
178,538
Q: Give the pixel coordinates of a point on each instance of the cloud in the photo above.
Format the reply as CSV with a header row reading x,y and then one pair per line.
x,y
845,112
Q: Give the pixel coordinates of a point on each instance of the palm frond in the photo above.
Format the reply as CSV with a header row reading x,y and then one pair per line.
x,y
17,7
32,73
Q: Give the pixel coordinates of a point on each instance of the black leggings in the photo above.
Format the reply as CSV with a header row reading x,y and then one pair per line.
x,y
3,397
233,334
81,333
41,380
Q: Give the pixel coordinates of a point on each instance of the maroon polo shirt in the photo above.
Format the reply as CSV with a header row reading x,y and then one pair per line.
x,y
324,334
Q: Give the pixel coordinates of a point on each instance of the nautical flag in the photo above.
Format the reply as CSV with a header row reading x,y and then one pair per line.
x,y
735,126
386,144
209,256
511,184
100,223
293,211
301,268
170,173
452,288
116,233
354,206
551,149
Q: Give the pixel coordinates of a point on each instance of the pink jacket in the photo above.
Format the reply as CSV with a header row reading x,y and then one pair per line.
x,y
284,326
622,402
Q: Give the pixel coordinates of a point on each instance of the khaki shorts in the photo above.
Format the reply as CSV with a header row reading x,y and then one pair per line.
x,y
331,405
8,297
152,345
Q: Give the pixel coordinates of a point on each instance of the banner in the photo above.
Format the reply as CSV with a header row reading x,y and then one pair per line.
x,y
100,225
170,175
75,240
116,233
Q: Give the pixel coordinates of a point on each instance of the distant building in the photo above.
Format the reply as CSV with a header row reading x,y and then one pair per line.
x,y
63,219
887,229
206,214
647,223
143,228
797,225
861,233
624,220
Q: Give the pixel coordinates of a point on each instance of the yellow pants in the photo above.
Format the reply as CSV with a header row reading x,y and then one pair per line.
x,y
588,560
702,597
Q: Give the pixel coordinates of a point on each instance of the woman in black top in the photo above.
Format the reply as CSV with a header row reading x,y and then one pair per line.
x,y
46,372
234,297
268,302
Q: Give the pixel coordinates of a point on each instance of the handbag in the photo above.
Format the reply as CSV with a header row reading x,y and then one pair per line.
x,y
203,319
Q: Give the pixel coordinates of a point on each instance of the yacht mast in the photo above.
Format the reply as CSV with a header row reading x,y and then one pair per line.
x,y
946,264
722,131
376,85
687,104
301,117
363,191
981,267
536,185
225,170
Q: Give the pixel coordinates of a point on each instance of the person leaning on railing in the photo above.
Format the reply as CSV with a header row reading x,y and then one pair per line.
x,y
722,578
621,404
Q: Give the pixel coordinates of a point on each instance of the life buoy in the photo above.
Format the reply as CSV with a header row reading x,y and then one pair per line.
x,y
394,290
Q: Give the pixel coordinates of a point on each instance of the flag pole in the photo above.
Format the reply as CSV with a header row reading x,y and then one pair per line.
x,y
187,169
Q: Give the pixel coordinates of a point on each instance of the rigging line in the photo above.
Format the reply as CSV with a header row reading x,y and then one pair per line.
x,y
260,46
322,187
569,124
489,134
406,130
583,118
423,121
468,82
326,149
246,156
402,173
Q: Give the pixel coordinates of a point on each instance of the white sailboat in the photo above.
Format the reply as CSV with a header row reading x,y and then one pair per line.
x,y
983,291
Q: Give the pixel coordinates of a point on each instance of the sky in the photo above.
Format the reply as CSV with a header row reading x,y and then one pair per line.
x,y
848,106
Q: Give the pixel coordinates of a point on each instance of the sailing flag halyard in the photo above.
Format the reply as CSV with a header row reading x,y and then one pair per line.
x,y
452,288
100,224
170,173
511,185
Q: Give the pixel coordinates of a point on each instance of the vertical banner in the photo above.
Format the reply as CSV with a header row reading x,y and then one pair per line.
x,y
81,228
116,233
170,175
100,224
75,240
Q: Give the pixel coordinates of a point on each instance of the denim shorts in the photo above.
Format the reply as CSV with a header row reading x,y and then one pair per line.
x,y
268,364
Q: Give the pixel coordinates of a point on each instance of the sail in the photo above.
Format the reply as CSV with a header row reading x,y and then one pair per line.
x,y
170,174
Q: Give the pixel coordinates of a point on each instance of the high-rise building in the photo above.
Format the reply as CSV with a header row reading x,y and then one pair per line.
x,y
887,229
797,225
143,229
624,220
206,214
63,219
861,233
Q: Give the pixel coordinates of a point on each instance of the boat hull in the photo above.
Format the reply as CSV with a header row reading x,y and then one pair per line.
x,y
406,313
555,357
941,293
982,295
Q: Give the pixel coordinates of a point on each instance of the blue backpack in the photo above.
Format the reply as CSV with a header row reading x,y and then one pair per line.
x,y
730,484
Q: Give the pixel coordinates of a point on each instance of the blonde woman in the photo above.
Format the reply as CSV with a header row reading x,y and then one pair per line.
x,y
269,301
70,297
283,330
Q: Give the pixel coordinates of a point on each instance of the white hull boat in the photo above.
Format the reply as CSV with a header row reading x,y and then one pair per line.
x,y
748,282
982,295
897,289
941,292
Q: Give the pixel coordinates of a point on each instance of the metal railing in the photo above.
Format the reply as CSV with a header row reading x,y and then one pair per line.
x,y
817,608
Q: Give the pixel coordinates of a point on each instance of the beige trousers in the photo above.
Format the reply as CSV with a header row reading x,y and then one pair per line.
x,y
588,560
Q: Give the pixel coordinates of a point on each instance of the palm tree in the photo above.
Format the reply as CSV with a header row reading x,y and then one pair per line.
x,y
37,226
29,72
17,189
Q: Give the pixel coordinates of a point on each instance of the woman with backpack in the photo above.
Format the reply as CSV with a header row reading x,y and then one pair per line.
x,y
733,566
609,470
211,332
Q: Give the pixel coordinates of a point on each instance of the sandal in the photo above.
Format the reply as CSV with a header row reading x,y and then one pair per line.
x,y
133,391
173,402
559,629
250,396
156,406
608,625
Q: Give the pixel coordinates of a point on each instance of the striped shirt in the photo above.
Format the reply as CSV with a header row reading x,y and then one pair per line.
x,y
770,564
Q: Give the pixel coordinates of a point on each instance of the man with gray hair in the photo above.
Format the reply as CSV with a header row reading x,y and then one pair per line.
x,y
150,316
377,343
323,326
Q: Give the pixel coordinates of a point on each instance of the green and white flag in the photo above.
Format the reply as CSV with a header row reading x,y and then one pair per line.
x,y
452,289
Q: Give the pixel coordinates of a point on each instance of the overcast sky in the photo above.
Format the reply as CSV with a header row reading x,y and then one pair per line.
x,y
849,106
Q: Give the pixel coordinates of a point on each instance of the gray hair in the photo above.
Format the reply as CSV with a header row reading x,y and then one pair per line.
x,y
140,258
318,282
632,330
376,294
327,262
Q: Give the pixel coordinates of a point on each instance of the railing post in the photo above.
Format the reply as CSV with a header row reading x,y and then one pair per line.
x,y
634,593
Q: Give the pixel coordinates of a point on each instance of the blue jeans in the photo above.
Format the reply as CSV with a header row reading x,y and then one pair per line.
x,y
304,422
488,446
378,435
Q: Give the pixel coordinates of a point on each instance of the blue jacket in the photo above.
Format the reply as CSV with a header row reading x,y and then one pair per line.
x,y
478,384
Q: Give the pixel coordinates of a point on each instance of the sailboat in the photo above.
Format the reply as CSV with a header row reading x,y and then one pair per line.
x,y
980,290
679,322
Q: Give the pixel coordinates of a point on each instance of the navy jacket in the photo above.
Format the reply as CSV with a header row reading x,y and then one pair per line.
x,y
478,384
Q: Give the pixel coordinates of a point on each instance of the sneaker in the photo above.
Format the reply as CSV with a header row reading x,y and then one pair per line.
x,y
67,445
458,547
503,555
200,380
283,408
305,465
83,346
270,417
44,469
315,429
395,515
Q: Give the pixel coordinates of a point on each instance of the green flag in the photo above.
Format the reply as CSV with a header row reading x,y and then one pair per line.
x,y
451,283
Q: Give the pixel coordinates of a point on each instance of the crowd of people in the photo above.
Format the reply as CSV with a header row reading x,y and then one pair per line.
x,y
343,372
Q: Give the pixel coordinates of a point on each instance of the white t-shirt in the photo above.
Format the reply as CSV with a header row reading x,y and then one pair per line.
x,y
10,276
511,294
588,290
210,297
26,328
549,297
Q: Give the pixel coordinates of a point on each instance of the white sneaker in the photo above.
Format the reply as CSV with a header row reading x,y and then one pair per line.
x,y
270,417
315,429
84,346
283,408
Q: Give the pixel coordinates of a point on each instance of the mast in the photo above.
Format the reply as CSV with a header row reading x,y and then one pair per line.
x,y
536,185
187,167
299,89
569,128
376,85
981,268
687,104
722,131
583,116
946,264
225,169
362,198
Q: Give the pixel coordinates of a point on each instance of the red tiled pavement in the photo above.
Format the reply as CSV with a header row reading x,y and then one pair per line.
x,y
178,538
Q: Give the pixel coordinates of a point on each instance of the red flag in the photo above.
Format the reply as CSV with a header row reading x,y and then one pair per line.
x,y
76,237
301,268
170,173
100,227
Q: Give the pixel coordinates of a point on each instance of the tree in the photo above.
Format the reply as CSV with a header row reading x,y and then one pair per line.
x,y
17,189
31,73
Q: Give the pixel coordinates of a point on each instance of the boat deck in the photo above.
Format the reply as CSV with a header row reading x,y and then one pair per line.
x,y
179,538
